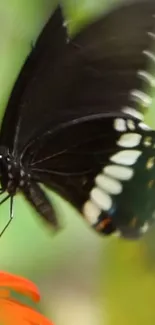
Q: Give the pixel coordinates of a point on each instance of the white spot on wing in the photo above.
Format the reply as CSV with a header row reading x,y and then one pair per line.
x,y
91,212
131,124
144,228
150,55
144,75
126,157
144,126
140,96
147,141
108,184
131,111
152,35
100,198
119,172
129,140
119,124
150,163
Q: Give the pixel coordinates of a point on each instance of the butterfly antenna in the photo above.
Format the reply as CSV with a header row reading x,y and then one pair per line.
x,y
11,212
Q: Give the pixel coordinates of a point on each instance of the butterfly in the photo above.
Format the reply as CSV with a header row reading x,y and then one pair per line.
x,y
74,122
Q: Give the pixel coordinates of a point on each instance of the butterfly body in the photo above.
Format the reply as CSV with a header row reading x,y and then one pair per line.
x,y
73,125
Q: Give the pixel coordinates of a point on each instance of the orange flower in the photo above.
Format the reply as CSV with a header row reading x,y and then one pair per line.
x,y
13,312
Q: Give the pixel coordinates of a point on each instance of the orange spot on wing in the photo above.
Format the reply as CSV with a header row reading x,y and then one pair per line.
x,y
102,225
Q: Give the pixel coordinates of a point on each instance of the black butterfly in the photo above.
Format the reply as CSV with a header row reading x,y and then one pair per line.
x,y
72,125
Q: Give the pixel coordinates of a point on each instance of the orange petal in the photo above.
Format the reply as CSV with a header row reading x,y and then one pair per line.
x,y
14,313
10,316
20,285
4,293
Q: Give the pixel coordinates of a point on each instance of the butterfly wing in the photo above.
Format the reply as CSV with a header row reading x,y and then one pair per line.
x,y
116,51
48,48
107,172
94,75
95,72
100,69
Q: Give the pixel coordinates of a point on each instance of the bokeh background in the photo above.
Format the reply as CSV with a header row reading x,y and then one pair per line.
x,y
84,278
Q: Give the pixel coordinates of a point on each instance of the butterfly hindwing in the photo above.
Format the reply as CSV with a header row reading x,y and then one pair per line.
x,y
101,171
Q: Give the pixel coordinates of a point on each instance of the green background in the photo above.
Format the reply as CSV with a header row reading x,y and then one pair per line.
x,y
84,278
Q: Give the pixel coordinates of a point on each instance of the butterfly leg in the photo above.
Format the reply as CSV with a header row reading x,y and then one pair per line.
x,y
11,212
5,199
39,200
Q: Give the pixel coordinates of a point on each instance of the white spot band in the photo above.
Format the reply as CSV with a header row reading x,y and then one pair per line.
x,y
129,140
100,198
126,157
108,184
119,172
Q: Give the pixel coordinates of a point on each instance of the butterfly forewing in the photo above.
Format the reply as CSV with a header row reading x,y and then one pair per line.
x,y
94,73
30,86
113,50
